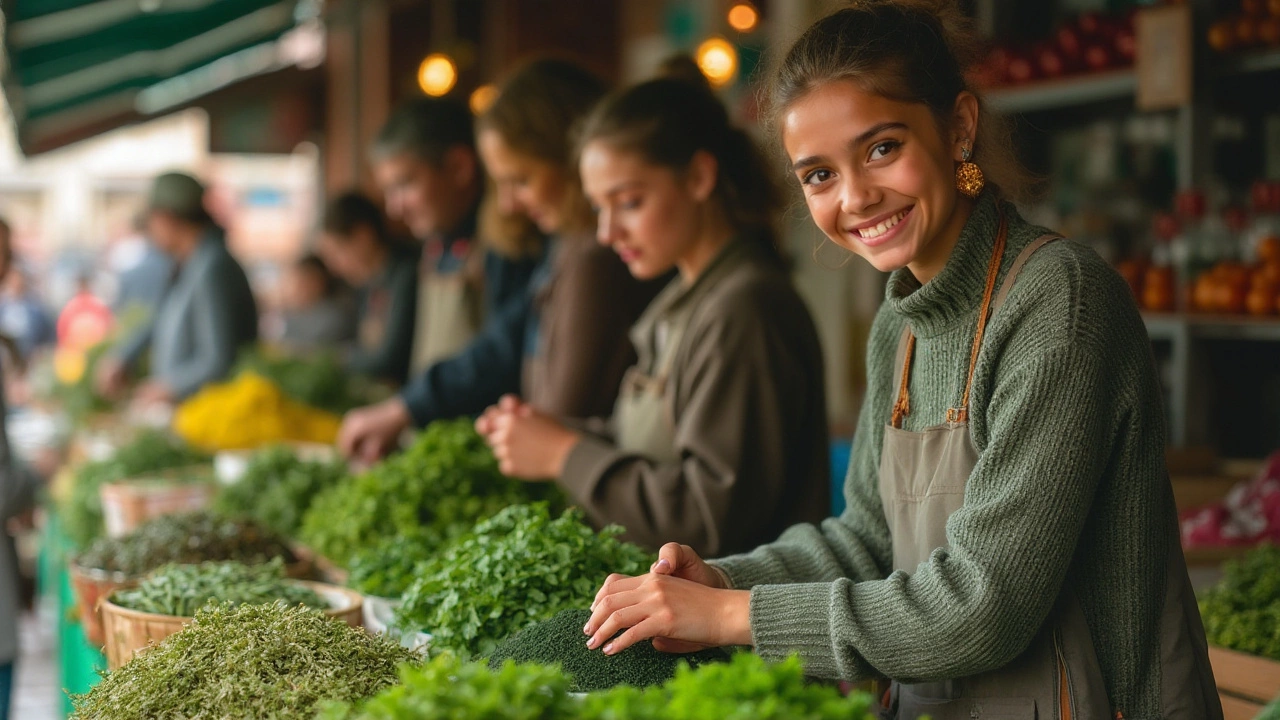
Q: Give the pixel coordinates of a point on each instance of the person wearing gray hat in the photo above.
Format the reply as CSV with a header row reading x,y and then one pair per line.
x,y
207,314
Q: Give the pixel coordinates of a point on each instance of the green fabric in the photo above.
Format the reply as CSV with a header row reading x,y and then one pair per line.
x,y
1070,485
78,65
79,661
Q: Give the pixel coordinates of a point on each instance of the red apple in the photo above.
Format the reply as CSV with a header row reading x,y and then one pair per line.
x,y
1050,62
1126,44
1090,24
1069,43
1021,70
1098,58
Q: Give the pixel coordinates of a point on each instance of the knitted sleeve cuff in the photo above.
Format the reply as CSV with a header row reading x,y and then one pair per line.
x,y
744,572
795,619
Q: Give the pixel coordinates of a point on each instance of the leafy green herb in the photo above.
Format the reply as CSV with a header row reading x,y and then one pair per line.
x,y
277,488
317,380
182,589
248,661
389,568
186,539
1242,612
559,641
448,689
745,688
434,491
517,568
151,451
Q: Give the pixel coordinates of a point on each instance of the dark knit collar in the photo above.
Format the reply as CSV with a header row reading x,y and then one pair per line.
x,y
956,291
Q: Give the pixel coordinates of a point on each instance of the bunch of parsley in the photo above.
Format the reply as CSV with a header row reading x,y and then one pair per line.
x,y
520,567
434,491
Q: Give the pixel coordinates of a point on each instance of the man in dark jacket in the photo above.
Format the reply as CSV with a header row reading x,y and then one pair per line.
x,y
425,162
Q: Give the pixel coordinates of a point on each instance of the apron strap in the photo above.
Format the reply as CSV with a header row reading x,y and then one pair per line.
x,y
903,406
961,414
906,349
1021,260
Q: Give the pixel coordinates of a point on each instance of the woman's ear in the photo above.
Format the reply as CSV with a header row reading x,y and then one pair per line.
x,y
701,176
964,124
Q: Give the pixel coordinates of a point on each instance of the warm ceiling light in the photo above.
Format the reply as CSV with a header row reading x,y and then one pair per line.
x,y
718,61
482,98
743,17
437,74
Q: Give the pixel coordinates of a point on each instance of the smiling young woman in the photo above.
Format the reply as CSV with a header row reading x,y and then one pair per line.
x,y
1010,547
719,438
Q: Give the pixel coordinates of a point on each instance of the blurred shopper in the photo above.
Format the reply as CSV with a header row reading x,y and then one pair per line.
x,y
144,272
319,312
355,244
424,160
18,488
23,316
208,312
566,344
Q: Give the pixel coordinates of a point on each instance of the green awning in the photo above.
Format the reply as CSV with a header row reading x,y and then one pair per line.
x,y
75,68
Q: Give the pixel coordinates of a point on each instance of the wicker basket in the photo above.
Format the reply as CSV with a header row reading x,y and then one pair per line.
x,y
129,631
91,586
129,503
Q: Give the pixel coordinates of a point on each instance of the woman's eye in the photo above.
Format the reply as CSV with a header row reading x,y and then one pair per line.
x,y
817,177
882,150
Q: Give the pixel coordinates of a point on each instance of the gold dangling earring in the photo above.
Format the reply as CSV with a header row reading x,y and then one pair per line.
x,y
969,179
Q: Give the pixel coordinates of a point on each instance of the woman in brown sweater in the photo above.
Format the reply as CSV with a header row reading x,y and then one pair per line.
x,y
719,436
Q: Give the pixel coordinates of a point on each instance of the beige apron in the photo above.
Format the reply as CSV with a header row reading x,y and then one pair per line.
x,y
922,481
643,418
448,315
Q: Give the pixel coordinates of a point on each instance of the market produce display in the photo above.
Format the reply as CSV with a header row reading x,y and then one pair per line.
x,y
317,380
559,641
1087,44
518,568
258,661
1242,612
388,569
151,451
435,490
448,689
277,488
249,412
747,688
186,538
181,590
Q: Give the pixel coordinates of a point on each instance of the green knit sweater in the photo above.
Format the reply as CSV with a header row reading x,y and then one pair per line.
x,y
1070,485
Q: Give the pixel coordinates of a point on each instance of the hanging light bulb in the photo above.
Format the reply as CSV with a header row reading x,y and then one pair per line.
x,y
718,60
743,17
482,97
437,74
